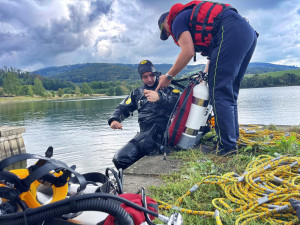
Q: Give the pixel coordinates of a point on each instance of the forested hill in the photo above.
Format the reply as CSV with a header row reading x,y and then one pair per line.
x,y
257,68
272,79
89,72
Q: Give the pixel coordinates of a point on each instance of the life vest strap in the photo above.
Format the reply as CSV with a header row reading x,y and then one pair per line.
x,y
194,19
204,31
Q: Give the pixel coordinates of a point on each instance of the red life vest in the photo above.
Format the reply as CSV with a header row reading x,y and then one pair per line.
x,y
202,21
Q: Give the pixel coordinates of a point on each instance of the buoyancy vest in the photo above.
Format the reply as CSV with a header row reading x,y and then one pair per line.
x,y
138,216
203,21
180,115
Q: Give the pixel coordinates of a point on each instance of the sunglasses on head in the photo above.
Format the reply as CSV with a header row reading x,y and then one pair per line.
x,y
162,28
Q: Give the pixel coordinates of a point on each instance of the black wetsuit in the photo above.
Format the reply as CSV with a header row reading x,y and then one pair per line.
x,y
152,118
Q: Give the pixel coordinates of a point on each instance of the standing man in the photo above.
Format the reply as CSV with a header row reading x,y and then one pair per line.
x,y
154,109
227,39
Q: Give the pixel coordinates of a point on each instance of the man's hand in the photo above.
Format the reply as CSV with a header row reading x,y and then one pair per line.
x,y
116,125
152,96
163,82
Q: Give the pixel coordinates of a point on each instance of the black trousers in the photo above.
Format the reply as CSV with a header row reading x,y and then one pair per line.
x,y
144,143
232,49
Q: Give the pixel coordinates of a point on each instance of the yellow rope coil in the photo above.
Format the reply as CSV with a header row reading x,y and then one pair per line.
x,y
254,135
260,193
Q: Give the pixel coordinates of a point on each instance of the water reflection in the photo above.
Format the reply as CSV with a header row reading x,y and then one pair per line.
x,y
77,129
277,105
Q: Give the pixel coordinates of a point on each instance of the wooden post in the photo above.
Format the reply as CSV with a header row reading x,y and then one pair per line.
x,y
12,143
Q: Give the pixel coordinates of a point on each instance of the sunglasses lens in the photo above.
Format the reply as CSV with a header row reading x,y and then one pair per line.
x,y
162,27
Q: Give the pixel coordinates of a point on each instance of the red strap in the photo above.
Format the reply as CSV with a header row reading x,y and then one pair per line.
x,y
181,115
138,216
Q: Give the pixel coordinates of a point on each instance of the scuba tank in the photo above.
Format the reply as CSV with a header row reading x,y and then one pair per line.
x,y
197,118
189,119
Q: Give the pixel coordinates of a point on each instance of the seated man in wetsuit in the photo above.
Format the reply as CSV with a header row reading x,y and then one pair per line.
x,y
154,109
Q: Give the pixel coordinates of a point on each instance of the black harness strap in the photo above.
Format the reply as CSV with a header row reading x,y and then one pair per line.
x,y
40,172
47,166
204,31
201,32
17,158
8,193
194,19
91,177
63,179
205,23
94,178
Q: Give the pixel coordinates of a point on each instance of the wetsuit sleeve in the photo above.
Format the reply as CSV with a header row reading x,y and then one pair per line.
x,y
124,109
168,98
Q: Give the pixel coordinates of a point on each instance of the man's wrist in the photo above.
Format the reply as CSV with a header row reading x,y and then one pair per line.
x,y
169,76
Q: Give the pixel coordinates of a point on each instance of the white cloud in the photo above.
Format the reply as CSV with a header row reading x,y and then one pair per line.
x,y
104,48
279,34
35,34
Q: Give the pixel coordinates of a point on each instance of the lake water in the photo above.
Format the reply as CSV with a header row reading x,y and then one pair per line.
x,y
80,135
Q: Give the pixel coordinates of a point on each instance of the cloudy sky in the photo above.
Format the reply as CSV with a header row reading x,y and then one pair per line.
x,y
40,33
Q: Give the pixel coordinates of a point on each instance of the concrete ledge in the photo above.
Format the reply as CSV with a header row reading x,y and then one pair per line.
x,y
6,131
147,172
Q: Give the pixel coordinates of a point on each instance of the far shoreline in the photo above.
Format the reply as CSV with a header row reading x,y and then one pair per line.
x,y
15,99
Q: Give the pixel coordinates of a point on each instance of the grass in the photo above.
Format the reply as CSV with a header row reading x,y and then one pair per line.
x,y
279,73
37,98
196,166
295,129
19,99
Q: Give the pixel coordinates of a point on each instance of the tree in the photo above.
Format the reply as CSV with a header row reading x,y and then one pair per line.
x,y
11,84
85,89
289,78
60,92
110,92
30,91
77,90
24,90
96,84
38,87
119,90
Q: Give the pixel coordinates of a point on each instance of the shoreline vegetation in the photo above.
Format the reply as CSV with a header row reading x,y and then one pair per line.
x,y
49,97
8,99
26,86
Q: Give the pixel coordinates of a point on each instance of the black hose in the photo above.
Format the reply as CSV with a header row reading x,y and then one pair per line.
x,y
125,201
121,177
118,180
89,202
144,203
